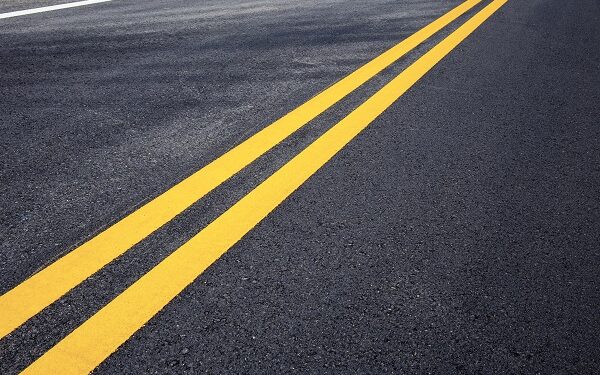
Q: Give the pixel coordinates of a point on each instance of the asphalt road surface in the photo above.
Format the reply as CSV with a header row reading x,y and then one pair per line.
x,y
459,232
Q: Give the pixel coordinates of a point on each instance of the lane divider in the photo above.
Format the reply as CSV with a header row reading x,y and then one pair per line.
x,y
50,8
92,342
51,283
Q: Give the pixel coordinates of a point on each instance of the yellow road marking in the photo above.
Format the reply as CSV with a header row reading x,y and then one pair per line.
x,y
92,342
48,285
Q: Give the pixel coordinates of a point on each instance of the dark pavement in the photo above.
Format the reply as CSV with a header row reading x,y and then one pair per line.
x,y
459,233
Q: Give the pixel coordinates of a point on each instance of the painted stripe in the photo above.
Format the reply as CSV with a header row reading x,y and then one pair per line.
x,y
50,8
92,342
36,293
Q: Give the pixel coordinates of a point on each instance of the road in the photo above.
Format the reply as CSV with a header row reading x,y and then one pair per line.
x,y
456,231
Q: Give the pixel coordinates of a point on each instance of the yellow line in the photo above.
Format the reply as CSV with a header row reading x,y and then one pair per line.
x,y
36,293
92,342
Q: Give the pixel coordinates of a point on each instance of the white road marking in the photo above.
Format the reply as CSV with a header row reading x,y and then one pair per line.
x,y
50,8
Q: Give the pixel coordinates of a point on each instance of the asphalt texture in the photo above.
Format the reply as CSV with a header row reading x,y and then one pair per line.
x,y
459,233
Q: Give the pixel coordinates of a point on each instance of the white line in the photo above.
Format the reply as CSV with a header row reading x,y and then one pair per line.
x,y
50,8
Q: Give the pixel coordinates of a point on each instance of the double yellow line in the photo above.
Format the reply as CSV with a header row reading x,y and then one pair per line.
x,y
92,342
